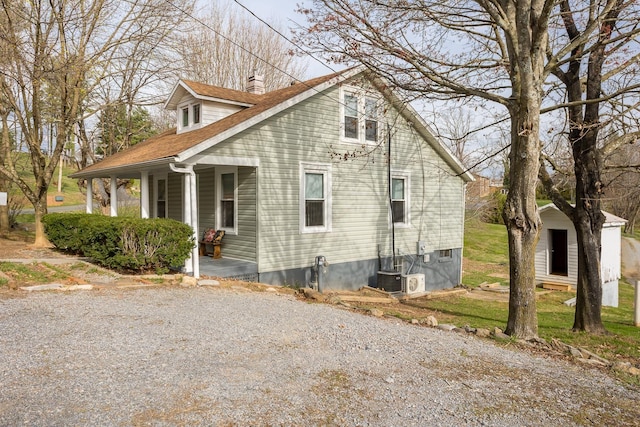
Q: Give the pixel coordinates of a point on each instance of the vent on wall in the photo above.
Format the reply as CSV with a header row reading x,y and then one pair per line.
x,y
413,283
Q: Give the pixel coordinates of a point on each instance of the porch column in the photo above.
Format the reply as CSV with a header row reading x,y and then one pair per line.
x,y
195,255
190,214
144,195
187,215
114,195
89,208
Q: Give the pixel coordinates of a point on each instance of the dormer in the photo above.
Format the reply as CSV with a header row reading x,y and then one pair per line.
x,y
198,104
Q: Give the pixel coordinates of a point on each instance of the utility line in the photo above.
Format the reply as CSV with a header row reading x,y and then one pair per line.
x,y
283,36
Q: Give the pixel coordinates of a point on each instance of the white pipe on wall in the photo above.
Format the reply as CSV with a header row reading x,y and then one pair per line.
x,y
190,213
89,208
144,194
114,195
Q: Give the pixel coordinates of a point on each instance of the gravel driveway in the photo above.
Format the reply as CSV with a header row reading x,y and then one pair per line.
x,y
207,356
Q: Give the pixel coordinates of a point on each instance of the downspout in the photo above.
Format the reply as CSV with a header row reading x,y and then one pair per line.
x,y
393,224
191,212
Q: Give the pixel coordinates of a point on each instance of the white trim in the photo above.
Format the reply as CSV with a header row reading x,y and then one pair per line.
x,y
113,197
144,195
128,171
89,199
325,170
170,104
197,149
406,176
206,159
219,172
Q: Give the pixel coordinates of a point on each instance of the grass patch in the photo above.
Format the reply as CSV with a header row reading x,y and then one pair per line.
x,y
34,273
486,252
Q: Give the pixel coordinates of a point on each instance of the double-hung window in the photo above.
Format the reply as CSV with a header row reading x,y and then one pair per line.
x,y
370,120
315,198
400,199
226,200
161,197
185,117
350,116
196,114
359,117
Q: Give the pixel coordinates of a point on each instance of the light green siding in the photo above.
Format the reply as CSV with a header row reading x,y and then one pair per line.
x,y
175,188
206,200
361,229
243,245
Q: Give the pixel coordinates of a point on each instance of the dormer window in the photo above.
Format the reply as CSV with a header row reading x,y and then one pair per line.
x,y
190,116
185,117
196,114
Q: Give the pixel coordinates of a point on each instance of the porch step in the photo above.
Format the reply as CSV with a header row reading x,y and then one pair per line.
x,y
228,268
554,286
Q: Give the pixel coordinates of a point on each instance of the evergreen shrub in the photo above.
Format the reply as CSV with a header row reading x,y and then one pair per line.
x,y
125,244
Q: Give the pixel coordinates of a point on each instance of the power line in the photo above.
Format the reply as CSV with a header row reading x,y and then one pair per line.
x,y
283,36
238,45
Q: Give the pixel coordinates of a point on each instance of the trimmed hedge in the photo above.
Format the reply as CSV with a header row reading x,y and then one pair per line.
x,y
129,244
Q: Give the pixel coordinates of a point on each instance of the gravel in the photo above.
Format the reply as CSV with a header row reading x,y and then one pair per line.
x,y
208,356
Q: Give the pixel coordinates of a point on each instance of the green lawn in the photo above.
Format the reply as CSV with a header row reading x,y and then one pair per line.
x,y
486,253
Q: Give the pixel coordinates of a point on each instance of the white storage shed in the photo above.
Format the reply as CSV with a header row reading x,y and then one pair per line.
x,y
557,252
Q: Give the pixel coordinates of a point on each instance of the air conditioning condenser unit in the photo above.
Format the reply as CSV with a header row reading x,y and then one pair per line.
x,y
413,283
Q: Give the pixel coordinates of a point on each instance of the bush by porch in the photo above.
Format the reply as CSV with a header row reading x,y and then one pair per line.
x,y
124,244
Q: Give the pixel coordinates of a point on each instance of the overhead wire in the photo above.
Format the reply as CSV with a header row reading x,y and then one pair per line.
x,y
284,37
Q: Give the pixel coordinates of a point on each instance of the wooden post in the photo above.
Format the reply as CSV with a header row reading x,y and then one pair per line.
x,y
636,315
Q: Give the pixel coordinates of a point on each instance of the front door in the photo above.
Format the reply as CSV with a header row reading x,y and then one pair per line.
x,y
559,252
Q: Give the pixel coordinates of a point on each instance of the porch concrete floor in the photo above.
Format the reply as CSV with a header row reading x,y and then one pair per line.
x,y
227,267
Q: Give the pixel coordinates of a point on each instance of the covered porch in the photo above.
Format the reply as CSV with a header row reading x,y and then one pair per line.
x,y
216,194
228,268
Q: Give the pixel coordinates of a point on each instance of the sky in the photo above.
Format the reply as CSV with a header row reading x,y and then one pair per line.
x,y
281,14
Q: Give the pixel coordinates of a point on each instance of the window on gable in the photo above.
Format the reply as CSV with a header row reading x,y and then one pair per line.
x,y
350,116
226,199
315,198
185,117
196,114
360,117
370,119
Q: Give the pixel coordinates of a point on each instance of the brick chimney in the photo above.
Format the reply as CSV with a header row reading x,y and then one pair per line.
x,y
256,84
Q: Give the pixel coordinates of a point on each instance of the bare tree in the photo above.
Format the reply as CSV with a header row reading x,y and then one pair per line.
x,y
59,53
605,29
492,50
230,47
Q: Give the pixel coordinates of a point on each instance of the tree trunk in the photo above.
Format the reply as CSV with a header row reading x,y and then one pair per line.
x,y
588,220
523,224
589,291
5,144
40,210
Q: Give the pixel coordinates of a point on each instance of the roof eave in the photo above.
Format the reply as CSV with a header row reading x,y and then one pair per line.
x,y
128,171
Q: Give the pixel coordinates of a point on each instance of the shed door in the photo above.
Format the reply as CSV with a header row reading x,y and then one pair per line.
x,y
559,258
